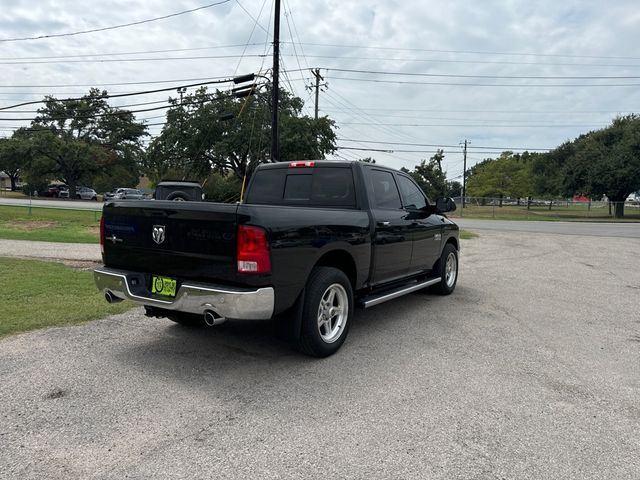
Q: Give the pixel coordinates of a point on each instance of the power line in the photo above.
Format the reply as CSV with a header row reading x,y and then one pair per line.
x,y
471,52
118,60
117,112
343,147
139,52
509,77
123,94
466,119
140,22
443,146
474,62
115,106
556,125
148,82
527,112
523,85
256,20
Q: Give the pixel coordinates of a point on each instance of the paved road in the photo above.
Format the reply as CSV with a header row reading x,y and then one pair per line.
x,y
70,204
528,371
86,252
592,229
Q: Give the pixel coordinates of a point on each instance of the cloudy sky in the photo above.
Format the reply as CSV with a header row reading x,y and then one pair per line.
x,y
451,70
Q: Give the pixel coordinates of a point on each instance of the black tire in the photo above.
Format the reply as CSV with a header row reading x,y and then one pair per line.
x,y
324,340
446,285
178,196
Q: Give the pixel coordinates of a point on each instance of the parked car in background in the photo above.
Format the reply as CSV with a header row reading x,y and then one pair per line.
x,y
634,198
54,190
63,192
86,193
110,195
129,194
180,191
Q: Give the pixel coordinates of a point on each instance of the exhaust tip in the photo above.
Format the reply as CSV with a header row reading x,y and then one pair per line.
x,y
111,298
212,319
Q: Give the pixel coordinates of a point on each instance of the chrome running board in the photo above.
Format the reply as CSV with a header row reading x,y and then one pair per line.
x,y
385,297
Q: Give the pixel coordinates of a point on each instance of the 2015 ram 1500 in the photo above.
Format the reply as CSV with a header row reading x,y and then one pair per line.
x,y
311,241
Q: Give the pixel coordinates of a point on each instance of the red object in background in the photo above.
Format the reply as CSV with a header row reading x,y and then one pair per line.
x,y
580,198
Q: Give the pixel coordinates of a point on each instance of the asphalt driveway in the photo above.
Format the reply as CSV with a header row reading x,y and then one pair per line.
x,y
529,370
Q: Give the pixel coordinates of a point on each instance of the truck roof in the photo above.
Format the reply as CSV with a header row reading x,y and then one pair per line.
x,y
333,163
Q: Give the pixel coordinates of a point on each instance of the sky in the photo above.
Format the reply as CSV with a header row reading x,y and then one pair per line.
x,y
431,74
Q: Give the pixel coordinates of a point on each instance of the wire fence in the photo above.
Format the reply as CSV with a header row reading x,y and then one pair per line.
x,y
546,209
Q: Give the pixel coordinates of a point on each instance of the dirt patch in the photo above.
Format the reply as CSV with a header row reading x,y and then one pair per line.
x,y
80,264
30,225
55,393
93,230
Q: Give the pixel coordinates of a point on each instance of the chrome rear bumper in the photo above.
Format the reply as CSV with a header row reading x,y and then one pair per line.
x,y
191,297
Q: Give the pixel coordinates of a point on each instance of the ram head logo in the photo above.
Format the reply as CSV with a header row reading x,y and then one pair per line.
x,y
158,233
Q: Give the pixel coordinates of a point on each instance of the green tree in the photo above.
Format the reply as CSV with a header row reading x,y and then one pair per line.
x,y
601,162
15,155
222,188
430,176
454,188
79,139
509,175
607,162
200,136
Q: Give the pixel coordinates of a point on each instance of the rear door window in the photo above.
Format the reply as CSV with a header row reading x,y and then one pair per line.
x,y
413,197
311,186
385,190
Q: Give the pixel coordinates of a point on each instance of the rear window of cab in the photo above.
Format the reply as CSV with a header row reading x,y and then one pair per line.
x,y
312,186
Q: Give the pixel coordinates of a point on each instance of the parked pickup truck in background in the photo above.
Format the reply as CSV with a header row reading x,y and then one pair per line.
x,y
312,241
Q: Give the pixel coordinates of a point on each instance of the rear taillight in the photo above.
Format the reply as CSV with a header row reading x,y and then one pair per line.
x,y
301,164
102,235
253,250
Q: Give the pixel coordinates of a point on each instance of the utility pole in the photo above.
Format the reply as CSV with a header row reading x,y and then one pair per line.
x,y
464,174
181,91
316,74
275,150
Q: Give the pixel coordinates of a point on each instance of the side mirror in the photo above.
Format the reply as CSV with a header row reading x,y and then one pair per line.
x,y
444,205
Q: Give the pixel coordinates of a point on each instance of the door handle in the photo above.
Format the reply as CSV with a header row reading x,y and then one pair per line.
x,y
384,224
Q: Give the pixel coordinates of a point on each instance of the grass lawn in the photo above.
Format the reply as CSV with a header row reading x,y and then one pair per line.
x,y
39,294
558,213
10,194
49,224
467,235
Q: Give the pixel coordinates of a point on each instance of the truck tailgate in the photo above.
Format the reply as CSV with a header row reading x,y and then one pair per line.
x,y
193,240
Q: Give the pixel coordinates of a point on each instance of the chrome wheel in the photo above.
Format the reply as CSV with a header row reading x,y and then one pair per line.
x,y
333,312
451,269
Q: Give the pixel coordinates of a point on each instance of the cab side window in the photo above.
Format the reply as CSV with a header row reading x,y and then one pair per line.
x,y
412,196
385,190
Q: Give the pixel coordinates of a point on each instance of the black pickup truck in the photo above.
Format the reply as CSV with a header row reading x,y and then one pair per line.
x,y
311,241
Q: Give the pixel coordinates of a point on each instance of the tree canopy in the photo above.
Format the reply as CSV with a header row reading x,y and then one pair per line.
x,y
213,131
431,178
602,162
509,175
14,157
85,140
